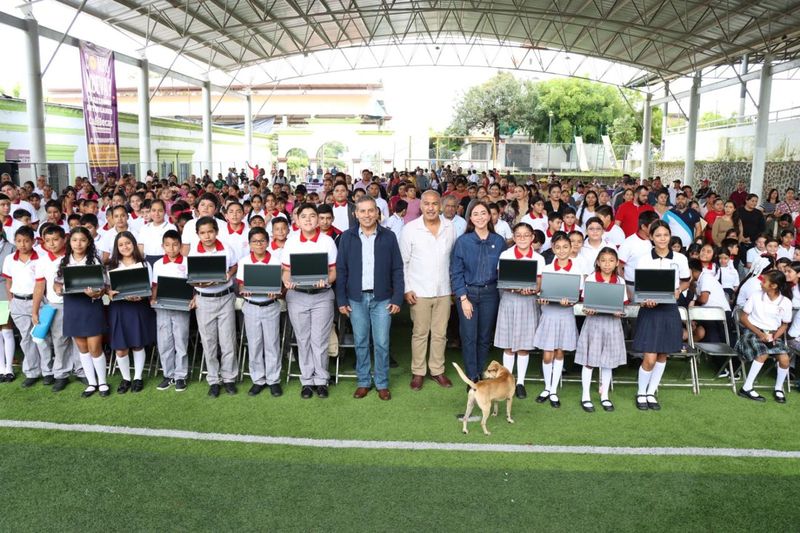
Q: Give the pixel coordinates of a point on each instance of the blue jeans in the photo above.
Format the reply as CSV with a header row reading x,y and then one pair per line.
x,y
476,333
370,314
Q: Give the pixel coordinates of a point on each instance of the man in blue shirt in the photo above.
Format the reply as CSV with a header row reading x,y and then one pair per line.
x,y
687,226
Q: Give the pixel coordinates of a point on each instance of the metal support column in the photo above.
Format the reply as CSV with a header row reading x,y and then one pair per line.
x,y
207,156
248,127
743,90
691,130
664,120
762,129
647,124
35,101
145,153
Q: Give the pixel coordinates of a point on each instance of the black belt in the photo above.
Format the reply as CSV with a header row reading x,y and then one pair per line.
x,y
369,291
487,286
311,291
23,297
261,304
220,294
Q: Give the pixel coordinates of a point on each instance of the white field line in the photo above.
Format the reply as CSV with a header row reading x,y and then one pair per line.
x,y
400,445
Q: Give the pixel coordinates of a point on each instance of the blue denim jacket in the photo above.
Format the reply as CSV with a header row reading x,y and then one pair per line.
x,y
474,261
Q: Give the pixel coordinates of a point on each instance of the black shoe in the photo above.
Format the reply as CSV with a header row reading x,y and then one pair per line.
x,y
180,385
521,392
751,395
653,404
29,382
543,396
10,377
322,391
255,390
588,407
641,402
607,406
88,391
60,384
779,396
392,362
213,390
124,386
165,384
105,391
138,385
48,381
230,387
2,378
306,392
555,403
276,390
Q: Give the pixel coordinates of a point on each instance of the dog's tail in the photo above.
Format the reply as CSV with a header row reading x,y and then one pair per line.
x,y
465,378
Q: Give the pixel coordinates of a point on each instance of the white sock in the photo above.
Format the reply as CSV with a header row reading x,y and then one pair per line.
x,y
508,361
9,347
755,368
522,367
547,371
605,383
558,366
655,377
124,364
100,367
88,369
586,381
138,363
782,374
644,379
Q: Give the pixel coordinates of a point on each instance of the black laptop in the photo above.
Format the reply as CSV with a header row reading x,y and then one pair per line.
x,y
517,274
262,279
606,298
556,287
307,270
654,284
130,282
207,269
80,277
173,294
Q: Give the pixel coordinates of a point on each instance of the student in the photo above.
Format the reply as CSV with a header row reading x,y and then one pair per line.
x,y
172,326
751,284
234,234
554,223
518,313
9,224
786,248
601,343
595,241
557,330
636,246
570,221
262,318
19,270
325,215
536,217
280,232
151,234
759,249
84,316
765,319
90,222
709,293
729,276
131,321
395,221
119,223
708,258
136,218
215,311
7,343
310,310
207,206
659,328
501,227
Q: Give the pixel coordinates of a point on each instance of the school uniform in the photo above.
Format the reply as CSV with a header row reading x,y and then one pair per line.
x,y
38,357
536,222
83,316
569,229
788,253
65,356
216,320
396,224
262,318
150,236
189,235
311,311
601,343
659,329
503,229
557,329
135,223
614,235
517,314
749,287
172,327
235,239
729,278
131,324
767,315
708,282
106,242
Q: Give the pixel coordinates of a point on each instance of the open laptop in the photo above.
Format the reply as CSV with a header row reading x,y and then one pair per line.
x,y
607,298
130,282
78,278
308,269
517,274
262,279
173,294
556,287
207,268
654,284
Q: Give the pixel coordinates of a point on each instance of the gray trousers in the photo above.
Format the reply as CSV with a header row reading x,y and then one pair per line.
x,y
38,360
63,350
216,320
262,326
312,319
172,331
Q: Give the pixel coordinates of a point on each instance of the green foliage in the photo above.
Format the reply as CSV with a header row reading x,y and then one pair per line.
x,y
713,119
296,161
330,153
489,106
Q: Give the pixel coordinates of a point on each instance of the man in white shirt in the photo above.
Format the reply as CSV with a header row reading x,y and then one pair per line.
x,y
425,244
374,190
449,212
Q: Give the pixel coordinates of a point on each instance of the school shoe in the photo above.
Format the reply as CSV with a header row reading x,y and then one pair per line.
x,y
275,390
555,403
124,386
751,395
653,404
230,387
88,391
10,377
60,384
322,391
165,384
213,390
104,391
779,396
255,390
2,378
417,382
306,392
588,407
29,382
138,385
520,392
180,385
641,402
48,381
607,406
543,396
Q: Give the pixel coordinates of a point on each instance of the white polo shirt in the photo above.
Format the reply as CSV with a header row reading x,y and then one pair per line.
x,y
47,269
135,223
768,314
150,236
633,248
539,222
170,269
707,282
672,261
106,242
220,249
729,275
236,240
298,244
614,235
22,274
503,229
573,268
22,204
275,250
250,259
341,220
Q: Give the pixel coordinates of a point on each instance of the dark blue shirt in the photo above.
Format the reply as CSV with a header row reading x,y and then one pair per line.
x,y
474,261
690,217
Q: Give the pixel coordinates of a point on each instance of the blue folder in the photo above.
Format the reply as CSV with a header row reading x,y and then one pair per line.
x,y
46,315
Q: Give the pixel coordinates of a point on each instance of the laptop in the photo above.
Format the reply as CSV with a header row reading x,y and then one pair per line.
x,y
654,284
207,269
78,278
556,287
262,279
308,269
173,294
130,282
517,274
607,298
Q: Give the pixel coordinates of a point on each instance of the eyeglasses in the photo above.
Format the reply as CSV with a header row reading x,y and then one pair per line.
x,y
258,241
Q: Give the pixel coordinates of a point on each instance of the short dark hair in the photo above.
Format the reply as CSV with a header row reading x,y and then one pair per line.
x,y
257,231
25,231
171,234
202,221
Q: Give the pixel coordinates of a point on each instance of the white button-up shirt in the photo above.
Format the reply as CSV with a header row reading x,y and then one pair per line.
x,y
426,258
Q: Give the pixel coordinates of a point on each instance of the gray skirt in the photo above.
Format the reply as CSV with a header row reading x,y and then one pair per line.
x,y
557,329
601,343
517,318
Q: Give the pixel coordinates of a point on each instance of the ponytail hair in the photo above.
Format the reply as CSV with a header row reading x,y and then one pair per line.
x,y
777,277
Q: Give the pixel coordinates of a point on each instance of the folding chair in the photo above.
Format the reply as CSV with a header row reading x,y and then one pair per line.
x,y
346,341
690,354
715,349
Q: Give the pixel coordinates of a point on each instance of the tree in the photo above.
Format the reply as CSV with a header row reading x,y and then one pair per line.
x,y
488,106
623,132
296,161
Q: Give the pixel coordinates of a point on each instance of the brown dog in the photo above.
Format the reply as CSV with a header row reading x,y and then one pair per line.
x,y
498,386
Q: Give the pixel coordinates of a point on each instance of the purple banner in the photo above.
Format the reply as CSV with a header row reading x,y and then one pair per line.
x,y
100,108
